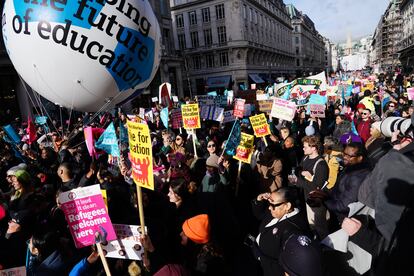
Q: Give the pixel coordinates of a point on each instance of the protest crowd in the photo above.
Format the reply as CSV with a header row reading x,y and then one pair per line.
x,y
310,176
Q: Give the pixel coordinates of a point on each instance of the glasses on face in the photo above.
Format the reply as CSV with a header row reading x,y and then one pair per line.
x,y
392,106
211,146
365,113
178,139
275,205
350,156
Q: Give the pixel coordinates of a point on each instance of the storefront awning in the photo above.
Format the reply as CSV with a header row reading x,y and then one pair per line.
x,y
255,78
222,81
266,78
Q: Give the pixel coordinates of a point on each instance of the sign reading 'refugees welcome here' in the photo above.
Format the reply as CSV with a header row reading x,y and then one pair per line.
x,y
88,14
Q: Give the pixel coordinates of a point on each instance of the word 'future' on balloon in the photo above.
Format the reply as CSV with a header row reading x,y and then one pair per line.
x,y
124,65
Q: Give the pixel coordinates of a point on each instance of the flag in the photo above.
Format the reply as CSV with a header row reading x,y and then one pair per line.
x,y
108,141
87,131
40,120
15,138
123,133
30,131
233,140
164,116
353,128
286,95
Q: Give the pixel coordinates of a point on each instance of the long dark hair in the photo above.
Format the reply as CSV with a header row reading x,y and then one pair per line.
x,y
45,243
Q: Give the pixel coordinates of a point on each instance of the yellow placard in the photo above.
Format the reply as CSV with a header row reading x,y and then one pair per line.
x,y
245,149
191,116
141,154
260,126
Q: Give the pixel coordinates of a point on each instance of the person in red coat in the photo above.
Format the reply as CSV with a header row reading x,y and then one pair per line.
x,y
364,124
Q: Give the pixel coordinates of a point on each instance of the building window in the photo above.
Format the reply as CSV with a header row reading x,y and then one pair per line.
x,y
197,62
221,32
192,16
181,41
208,38
194,39
209,61
297,50
180,20
244,11
296,40
251,15
206,14
224,59
296,29
220,11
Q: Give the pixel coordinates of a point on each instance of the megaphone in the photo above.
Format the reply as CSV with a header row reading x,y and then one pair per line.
x,y
391,124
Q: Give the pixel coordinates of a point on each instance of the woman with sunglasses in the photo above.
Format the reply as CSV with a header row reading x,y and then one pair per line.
x,y
279,220
211,148
179,144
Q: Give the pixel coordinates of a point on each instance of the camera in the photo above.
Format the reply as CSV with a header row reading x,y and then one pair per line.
x,y
391,124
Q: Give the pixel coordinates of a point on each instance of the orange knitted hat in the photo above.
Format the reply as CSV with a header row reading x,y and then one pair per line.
x,y
197,229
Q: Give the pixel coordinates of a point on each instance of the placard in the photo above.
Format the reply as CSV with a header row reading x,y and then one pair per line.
x,y
228,116
86,214
211,112
317,110
410,93
127,244
238,110
245,149
140,149
265,106
260,126
283,109
15,271
191,116
177,118
154,99
175,99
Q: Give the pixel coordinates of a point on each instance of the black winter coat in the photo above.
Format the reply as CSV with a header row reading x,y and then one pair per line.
x,y
273,238
346,189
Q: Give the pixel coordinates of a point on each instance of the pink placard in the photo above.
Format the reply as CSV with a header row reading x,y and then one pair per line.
x,y
410,93
86,214
239,108
177,118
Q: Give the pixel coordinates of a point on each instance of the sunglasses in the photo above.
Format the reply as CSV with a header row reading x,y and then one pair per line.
x,y
178,139
275,205
365,113
211,146
392,106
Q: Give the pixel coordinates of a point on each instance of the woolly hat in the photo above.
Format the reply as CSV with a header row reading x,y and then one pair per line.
x,y
212,161
360,105
23,177
309,131
197,229
301,256
13,170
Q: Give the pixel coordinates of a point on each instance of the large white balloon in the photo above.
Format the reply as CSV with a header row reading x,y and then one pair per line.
x,y
83,53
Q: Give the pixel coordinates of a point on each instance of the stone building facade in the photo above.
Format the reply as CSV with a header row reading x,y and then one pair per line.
x,y
406,45
228,44
308,44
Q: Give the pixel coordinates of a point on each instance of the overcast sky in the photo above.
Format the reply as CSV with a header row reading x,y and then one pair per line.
x,y
334,19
